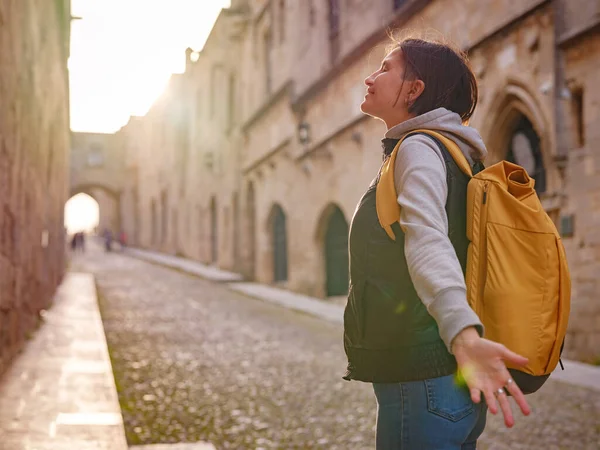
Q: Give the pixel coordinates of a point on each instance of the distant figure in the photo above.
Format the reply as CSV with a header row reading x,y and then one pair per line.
x,y
74,242
108,237
123,239
81,241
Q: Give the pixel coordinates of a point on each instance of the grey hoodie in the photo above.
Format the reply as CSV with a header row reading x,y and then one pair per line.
x,y
420,178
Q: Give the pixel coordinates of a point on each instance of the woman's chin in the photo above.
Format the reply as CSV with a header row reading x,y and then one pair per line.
x,y
367,109
364,106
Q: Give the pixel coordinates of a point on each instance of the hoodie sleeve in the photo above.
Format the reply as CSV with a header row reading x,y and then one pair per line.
x,y
420,179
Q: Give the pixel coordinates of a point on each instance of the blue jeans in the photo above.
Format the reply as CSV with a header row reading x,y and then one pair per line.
x,y
434,414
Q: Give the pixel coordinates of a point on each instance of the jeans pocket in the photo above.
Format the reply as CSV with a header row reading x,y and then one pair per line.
x,y
448,399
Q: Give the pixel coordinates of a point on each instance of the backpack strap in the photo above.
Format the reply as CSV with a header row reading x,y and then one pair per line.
x,y
388,209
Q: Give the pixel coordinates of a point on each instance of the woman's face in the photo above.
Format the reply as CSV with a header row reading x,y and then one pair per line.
x,y
389,95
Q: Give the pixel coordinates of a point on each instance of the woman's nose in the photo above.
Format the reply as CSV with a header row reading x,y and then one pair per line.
x,y
369,80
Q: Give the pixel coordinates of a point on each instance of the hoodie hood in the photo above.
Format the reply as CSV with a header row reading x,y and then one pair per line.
x,y
450,125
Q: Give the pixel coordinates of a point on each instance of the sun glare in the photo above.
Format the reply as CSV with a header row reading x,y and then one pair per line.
x,y
82,213
124,51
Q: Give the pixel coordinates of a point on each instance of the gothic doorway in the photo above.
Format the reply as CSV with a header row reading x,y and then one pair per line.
x,y
214,241
336,254
250,231
280,266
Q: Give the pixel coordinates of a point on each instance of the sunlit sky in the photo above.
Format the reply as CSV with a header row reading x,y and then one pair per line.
x,y
123,52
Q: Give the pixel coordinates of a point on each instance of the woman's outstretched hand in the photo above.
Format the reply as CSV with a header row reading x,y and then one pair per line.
x,y
481,363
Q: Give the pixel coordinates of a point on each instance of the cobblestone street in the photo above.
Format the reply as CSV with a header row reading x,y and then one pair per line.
x,y
195,361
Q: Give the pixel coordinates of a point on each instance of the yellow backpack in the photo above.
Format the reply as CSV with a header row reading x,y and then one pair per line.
x,y
517,277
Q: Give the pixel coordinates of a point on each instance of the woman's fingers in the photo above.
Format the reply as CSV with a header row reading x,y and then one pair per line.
x,y
515,391
490,399
475,395
509,421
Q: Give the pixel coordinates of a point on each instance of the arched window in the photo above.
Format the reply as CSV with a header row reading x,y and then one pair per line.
x,y
280,263
336,254
525,150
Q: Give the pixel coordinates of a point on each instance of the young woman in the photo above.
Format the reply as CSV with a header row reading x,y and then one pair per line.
x,y
408,328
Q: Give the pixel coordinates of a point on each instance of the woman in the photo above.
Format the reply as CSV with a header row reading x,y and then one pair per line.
x,y
408,328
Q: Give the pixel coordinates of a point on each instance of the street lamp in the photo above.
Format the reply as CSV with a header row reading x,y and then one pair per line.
x,y
304,133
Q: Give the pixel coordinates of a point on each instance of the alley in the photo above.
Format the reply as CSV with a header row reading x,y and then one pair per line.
x,y
196,361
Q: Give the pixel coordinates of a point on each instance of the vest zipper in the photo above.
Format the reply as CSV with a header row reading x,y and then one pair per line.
x,y
483,244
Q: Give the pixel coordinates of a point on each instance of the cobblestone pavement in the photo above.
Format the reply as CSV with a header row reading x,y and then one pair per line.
x,y
195,361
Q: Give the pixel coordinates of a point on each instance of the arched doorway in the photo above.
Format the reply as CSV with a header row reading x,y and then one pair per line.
x,y
336,254
525,150
214,238
279,233
82,214
250,231
154,222
236,231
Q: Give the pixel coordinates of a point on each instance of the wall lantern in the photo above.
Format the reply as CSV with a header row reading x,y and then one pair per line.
x,y
304,133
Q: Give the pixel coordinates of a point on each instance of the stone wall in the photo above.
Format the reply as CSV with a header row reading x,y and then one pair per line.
x,y
98,169
34,159
583,197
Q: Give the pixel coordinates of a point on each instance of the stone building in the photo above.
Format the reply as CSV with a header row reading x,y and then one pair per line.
x,y
34,146
97,169
254,159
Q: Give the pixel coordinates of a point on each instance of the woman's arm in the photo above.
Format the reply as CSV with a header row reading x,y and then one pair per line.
x,y
420,178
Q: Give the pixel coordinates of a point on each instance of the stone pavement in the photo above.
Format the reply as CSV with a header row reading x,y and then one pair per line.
x,y
575,373
59,393
197,361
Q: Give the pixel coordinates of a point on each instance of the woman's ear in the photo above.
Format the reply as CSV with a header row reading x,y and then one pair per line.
x,y
417,88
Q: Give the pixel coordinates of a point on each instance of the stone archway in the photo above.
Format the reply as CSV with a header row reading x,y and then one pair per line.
x,y
517,128
109,203
336,254
82,213
332,238
214,238
509,106
250,234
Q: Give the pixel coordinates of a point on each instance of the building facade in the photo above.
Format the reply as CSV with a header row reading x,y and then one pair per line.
x,y
255,157
34,161
98,169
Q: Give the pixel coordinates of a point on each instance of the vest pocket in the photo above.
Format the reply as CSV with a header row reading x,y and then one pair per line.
x,y
354,316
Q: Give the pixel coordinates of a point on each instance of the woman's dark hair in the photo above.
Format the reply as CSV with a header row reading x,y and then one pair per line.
x,y
449,80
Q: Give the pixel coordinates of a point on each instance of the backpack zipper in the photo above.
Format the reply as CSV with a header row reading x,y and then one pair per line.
x,y
483,244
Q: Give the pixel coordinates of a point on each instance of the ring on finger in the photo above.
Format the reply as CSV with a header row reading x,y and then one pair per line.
x,y
509,382
499,391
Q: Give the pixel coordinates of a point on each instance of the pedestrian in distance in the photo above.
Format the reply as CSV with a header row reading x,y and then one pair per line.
x,y
108,238
122,240
433,373
82,241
